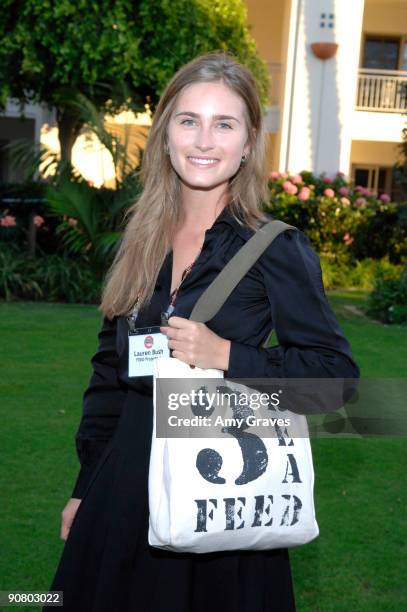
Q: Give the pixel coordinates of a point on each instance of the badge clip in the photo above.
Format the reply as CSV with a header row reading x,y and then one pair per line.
x,y
166,315
131,319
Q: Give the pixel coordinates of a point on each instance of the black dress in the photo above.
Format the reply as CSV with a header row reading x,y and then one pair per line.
x,y
107,564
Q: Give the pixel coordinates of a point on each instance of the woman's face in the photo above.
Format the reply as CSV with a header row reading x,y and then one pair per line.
x,y
207,135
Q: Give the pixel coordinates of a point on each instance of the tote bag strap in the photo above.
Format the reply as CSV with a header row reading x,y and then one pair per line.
x,y
219,290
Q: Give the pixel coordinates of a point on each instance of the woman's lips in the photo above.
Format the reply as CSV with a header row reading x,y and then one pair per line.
x,y
203,162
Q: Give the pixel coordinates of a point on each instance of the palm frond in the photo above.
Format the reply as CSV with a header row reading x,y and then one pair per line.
x,y
75,200
107,243
32,157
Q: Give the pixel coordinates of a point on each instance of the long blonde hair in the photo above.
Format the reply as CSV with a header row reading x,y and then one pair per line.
x,y
153,218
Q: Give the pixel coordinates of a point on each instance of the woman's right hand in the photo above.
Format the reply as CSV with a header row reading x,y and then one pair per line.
x,y
68,515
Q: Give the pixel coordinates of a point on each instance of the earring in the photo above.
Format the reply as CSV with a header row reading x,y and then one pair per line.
x,y
244,159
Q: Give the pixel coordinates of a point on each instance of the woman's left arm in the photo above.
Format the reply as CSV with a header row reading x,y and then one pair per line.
x,y
311,342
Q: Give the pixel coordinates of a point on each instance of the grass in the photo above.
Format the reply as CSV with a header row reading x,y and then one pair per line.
x,y
45,353
355,564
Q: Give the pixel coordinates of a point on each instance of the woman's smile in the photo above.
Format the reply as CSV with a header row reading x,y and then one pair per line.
x,y
203,162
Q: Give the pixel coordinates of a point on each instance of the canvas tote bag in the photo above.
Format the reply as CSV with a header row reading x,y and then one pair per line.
x,y
239,491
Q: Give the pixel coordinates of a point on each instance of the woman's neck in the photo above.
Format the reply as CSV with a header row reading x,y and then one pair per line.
x,y
201,208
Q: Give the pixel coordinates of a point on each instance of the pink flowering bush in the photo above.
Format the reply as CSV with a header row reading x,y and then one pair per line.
x,y
304,194
290,188
38,220
16,222
345,223
8,221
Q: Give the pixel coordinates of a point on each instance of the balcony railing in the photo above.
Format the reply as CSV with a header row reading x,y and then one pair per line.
x,y
382,90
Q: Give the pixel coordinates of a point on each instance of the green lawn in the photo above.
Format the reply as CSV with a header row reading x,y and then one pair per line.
x,y
358,562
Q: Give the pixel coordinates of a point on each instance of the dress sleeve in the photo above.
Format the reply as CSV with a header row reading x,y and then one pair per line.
x,y
102,404
311,342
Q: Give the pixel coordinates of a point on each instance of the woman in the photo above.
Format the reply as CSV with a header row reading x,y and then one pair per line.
x,y
204,177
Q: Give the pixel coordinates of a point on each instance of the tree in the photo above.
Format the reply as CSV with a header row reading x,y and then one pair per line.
x,y
118,53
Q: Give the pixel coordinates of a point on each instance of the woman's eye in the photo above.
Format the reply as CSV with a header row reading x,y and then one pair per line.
x,y
222,124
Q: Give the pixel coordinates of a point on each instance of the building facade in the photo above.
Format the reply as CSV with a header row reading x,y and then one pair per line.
x,y
337,100
338,94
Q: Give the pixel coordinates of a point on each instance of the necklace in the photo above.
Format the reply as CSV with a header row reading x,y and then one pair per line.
x,y
184,274
187,270
166,315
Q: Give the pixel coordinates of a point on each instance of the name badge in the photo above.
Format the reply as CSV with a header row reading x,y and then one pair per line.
x,y
146,344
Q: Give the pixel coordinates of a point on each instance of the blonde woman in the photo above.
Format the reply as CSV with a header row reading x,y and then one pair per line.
x,y
204,178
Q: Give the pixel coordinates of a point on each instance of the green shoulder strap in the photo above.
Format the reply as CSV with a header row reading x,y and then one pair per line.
x,y
222,286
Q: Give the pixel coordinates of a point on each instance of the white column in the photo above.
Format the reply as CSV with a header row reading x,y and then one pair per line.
x,y
320,95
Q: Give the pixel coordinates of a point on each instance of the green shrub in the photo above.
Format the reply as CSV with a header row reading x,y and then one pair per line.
x,y
334,274
53,278
346,273
388,300
64,279
17,278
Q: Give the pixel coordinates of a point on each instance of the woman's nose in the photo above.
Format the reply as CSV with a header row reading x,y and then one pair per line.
x,y
204,137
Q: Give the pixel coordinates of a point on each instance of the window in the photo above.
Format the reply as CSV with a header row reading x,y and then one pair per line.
x,y
381,53
12,129
404,56
376,178
385,53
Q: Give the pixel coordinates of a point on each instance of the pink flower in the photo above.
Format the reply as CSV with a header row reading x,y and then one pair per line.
x,y
304,194
329,193
8,221
38,220
284,175
297,178
340,174
360,189
290,188
345,201
72,222
274,175
327,179
344,191
347,238
360,202
385,198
